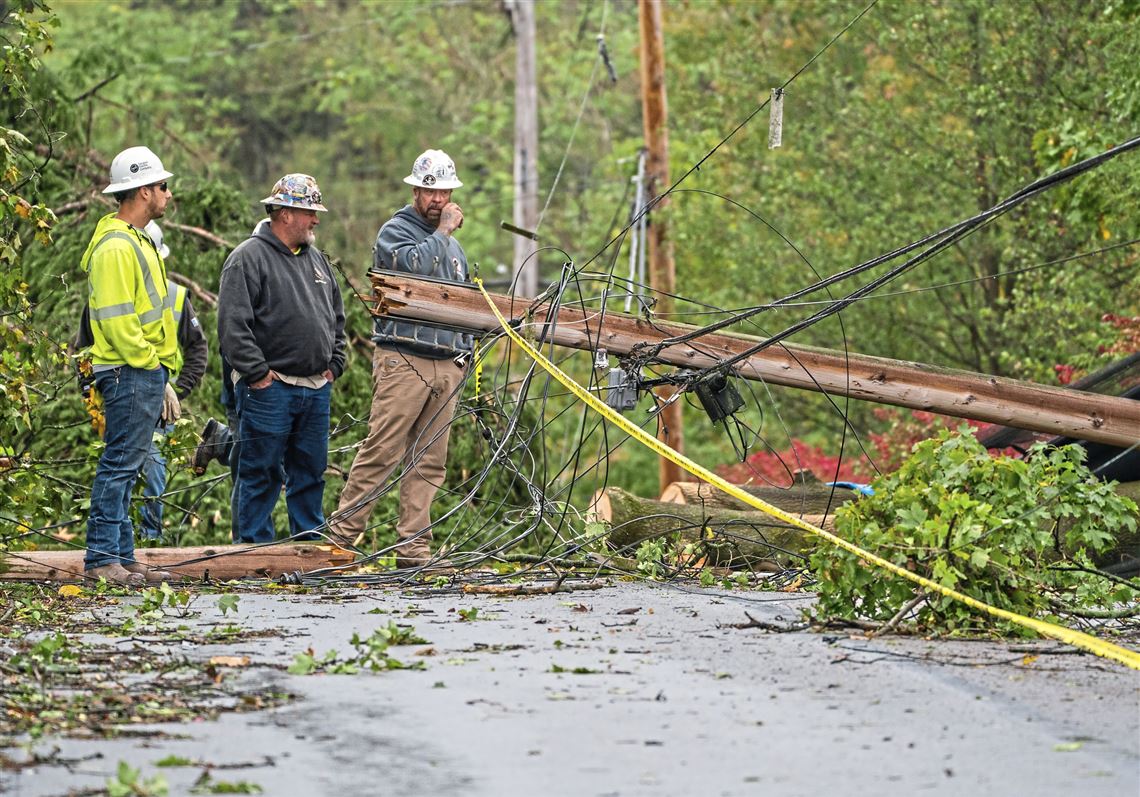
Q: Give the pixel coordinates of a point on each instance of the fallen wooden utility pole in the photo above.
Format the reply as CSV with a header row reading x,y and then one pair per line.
x,y
220,562
1054,410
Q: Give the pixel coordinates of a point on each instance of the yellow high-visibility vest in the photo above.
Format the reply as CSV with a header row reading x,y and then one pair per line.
x,y
130,303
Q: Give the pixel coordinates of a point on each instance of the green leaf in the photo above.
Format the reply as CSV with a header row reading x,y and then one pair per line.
x,y
228,603
303,664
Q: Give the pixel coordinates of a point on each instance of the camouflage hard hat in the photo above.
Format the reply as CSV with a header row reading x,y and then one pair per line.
x,y
296,191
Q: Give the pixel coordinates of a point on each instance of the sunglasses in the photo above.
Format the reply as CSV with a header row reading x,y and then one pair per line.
x,y
159,186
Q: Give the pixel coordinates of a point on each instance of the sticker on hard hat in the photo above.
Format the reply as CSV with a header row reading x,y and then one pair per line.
x,y
134,168
429,179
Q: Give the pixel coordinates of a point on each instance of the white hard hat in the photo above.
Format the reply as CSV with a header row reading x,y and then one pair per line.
x,y
135,167
433,169
155,232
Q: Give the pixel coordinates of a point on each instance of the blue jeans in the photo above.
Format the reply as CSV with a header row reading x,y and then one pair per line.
x,y
132,404
234,443
154,485
281,425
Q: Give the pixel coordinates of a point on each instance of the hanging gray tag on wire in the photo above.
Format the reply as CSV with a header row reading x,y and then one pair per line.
x,y
776,119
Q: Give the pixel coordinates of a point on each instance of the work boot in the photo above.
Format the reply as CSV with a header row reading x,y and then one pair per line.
x,y
115,573
152,575
213,446
425,563
343,540
409,557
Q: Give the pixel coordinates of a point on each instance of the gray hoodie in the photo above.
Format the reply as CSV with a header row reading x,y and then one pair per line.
x,y
407,242
278,310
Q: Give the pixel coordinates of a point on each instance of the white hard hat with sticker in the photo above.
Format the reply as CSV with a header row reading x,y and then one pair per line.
x,y
135,167
433,169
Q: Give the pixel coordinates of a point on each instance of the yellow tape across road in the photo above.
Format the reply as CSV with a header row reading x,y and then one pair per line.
x,y
1078,639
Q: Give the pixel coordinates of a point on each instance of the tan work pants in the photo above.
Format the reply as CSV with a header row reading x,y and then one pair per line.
x,y
413,401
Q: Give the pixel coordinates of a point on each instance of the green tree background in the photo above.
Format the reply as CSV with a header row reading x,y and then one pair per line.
x,y
922,114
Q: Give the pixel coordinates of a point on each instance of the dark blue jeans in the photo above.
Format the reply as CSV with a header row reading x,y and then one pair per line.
x,y
132,404
154,485
233,441
281,425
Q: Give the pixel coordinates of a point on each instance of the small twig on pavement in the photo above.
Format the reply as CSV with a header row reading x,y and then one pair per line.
x,y
889,626
529,589
754,623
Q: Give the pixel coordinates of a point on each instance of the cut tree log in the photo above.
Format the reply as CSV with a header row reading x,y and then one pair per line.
x,y
739,536
220,562
722,537
815,499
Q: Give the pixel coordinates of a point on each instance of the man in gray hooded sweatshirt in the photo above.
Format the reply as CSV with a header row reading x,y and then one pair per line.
x,y
417,371
281,327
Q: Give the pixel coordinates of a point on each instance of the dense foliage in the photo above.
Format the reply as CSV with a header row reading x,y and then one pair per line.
x,y
1018,534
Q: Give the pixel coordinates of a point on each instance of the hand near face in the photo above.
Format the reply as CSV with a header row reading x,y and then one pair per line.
x,y
450,218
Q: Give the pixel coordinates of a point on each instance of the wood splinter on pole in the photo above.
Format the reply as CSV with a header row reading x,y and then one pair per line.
x,y
655,118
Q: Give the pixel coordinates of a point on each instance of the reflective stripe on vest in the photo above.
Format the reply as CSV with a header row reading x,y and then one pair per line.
x,y
103,313
175,300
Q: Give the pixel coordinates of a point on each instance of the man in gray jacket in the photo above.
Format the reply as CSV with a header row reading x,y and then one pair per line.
x,y
417,371
281,327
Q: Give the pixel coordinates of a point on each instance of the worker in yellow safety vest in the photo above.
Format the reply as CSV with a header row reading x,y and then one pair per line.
x,y
135,356
195,352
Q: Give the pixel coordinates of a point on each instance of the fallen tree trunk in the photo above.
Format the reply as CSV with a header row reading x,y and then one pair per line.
x,y
732,536
815,499
219,562
722,537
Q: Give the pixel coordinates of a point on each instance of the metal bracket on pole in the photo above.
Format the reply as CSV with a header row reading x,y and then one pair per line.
x,y
637,244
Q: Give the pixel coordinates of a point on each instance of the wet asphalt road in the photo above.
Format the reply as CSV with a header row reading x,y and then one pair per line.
x,y
669,699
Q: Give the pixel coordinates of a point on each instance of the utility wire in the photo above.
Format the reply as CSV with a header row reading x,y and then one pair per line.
x,y
581,110
732,133
943,239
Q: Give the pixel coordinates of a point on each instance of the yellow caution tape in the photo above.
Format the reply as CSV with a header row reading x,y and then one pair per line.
x,y
478,373
1078,639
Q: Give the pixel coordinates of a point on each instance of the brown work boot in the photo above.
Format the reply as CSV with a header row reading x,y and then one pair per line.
x,y
343,540
409,557
425,563
152,575
115,573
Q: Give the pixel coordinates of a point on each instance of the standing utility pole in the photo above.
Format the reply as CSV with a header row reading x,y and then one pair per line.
x,y
661,273
526,148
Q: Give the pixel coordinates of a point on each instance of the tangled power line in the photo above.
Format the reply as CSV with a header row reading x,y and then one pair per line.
x,y
541,456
